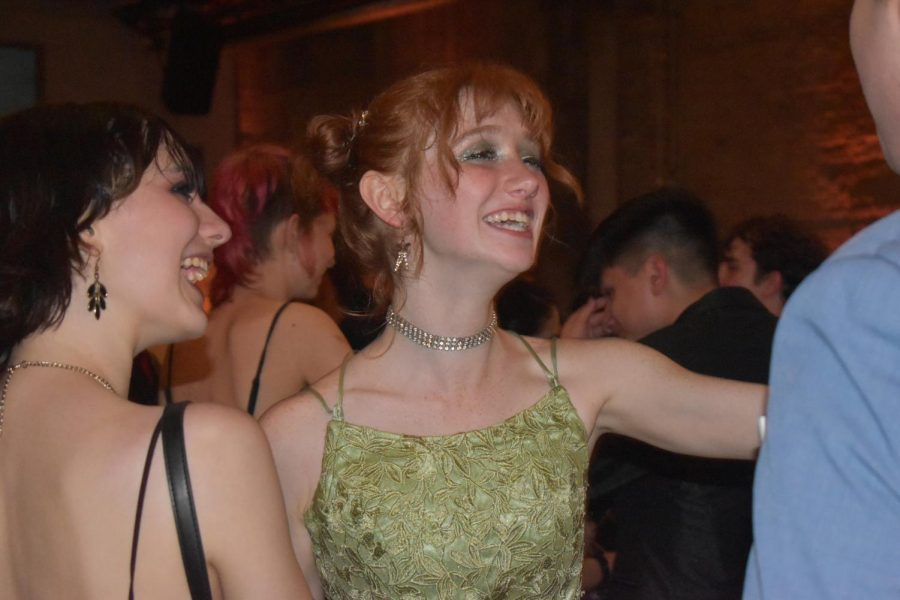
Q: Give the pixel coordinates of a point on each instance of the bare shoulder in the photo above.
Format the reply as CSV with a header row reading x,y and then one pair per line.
x,y
312,325
606,355
296,428
593,369
245,317
228,456
306,412
223,433
302,313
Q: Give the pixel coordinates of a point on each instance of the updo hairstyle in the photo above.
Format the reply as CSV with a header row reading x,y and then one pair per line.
x,y
392,136
62,167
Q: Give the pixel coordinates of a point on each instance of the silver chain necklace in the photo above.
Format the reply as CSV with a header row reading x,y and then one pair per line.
x,y
43,363
441,342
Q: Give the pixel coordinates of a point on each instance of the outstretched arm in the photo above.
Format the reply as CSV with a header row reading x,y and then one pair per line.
x,y
638,392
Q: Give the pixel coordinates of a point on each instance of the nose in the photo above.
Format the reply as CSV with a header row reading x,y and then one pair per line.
x,y
212,228
525,180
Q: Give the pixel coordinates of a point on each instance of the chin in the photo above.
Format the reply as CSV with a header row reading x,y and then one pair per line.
x,y
192,326
518,265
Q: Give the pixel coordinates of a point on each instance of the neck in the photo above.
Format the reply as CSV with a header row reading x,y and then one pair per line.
x,y
105,356
459,314
775,305
259,288
459,311
688,295
442,343
266,281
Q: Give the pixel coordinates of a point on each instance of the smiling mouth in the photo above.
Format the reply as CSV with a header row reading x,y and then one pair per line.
x,y
513,220
195,268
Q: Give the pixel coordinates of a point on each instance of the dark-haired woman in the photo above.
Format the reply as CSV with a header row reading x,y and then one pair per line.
x,y
261,345
103,239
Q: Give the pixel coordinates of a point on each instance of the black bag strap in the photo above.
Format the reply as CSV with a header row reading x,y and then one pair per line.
x,y
183,502
171,425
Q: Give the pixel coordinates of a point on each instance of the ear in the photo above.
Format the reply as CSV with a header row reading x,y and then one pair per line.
x,y
295,241
293,233
384,195
92,240
656,269
284,236
302,242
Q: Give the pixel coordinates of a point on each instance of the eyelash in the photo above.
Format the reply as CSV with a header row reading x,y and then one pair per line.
x,y
185,190
486,154
533,161
479,154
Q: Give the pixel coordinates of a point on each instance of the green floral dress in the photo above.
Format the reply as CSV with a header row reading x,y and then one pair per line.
x,y
492,513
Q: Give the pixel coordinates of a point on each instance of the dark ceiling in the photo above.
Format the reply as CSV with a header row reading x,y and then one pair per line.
x,y
236,20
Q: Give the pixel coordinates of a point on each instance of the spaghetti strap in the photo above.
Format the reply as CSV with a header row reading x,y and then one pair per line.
x,y
319,397
254,388
337,413
552,376
339,407
553,356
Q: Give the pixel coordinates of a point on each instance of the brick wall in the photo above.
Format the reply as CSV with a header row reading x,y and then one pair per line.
x,y
754,104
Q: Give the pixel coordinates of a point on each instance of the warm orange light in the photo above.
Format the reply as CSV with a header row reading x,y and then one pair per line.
x,y
382,11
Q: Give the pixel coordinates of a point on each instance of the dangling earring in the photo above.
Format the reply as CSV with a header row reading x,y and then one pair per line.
x,y
97,293
402,261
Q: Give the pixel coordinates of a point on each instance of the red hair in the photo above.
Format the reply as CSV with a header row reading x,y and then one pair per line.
x,y
392,136
254,190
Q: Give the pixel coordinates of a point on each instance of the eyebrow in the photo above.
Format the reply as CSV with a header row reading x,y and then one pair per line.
x,y
477,132
171,169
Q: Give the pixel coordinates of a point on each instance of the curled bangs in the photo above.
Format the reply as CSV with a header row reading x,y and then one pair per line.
x,y
490,88
183,156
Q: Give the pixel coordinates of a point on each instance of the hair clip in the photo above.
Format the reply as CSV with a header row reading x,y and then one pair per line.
x,y
360,123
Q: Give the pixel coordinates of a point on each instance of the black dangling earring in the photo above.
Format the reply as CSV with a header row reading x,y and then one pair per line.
x,y
97,293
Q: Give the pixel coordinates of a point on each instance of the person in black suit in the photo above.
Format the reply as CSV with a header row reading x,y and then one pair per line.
x,y
683,524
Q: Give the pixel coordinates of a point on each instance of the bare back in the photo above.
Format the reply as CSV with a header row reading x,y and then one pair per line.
x,y
70,467
220,367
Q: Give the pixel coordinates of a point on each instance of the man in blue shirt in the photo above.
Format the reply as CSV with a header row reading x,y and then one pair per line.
x,y
827,490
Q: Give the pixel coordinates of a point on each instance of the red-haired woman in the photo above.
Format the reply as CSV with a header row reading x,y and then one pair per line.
x,y
447,459
261,345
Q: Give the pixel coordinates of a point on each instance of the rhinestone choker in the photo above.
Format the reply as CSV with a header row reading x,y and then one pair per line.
x,y
43,363
441,342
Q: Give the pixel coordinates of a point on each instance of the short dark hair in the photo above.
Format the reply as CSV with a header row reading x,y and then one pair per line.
x,y
779,243
669,220
62,167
